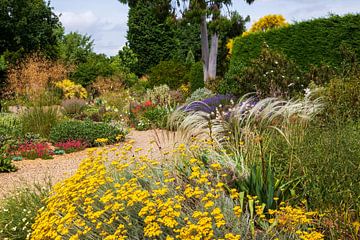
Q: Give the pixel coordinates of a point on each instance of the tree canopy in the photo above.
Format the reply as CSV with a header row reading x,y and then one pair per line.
x,y
27,26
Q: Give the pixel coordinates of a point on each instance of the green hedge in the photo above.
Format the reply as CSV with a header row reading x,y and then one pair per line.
x,y
307,43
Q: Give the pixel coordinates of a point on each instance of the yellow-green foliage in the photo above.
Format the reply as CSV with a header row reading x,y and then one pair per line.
x,y
136,197
71,89
267,22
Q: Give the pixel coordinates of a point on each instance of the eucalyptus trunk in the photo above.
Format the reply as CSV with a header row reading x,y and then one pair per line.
x,y
208,55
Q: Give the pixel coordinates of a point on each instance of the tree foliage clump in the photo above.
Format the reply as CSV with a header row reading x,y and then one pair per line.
x,y
27,26
266,23
149,35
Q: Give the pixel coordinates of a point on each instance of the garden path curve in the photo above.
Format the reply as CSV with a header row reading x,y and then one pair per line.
x,y
39,171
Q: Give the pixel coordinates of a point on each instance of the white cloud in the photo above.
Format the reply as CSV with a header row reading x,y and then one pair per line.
x,y
76,21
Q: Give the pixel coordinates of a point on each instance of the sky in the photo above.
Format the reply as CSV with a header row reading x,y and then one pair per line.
x,y
105,21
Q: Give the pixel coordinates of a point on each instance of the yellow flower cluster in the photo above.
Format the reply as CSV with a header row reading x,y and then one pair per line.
x,y
71,89
101,140
230,46
267,22
292,219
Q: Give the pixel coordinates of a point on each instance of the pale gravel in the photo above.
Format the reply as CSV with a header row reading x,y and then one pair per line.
x,y
57,169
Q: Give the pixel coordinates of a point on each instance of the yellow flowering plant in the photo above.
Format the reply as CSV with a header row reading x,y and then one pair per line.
x,y
71,89
137,197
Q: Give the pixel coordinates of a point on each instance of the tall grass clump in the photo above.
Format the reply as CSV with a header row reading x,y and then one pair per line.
x,y
39,120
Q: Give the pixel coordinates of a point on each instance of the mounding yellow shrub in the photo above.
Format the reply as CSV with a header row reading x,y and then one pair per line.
x,y
71,89
137,197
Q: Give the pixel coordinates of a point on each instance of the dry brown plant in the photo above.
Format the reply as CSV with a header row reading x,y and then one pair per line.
x,y
32,76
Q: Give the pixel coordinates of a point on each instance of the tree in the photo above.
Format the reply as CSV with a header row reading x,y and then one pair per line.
x,y
149,36
27,26
205,12
268,22
75,48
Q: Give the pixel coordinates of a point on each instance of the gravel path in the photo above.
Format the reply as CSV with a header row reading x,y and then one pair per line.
x,y
39,171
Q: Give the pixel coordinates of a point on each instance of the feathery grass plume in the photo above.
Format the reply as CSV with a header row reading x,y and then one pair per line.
x,y
246,127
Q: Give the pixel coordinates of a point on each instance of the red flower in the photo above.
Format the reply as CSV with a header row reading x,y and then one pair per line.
x,y
148,103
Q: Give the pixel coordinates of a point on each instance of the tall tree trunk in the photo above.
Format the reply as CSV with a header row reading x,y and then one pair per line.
x,y
204,47
213,56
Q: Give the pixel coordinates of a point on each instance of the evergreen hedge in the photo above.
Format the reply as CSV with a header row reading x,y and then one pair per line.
x,y
313,42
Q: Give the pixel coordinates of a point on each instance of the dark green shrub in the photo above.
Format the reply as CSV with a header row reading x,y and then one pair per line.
x,y
196,76
171,73
86,131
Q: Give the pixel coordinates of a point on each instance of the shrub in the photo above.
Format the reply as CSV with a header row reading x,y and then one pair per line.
x,y
271,75
73,106
39,120
143,116
171,73
71,89
18,211
6,164
86,131
159,95
104,85
200,94
196,76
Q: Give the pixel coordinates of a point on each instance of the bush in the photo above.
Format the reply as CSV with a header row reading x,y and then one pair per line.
x,y
196,76
39,120
71,89
171,73
159,95
271,75
200,94
86,131
142,199
18,211
6,164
